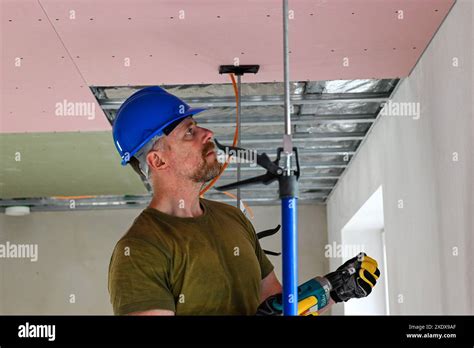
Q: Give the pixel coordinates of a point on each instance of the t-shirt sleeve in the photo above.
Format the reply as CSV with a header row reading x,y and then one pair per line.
x,y
139,278
265,265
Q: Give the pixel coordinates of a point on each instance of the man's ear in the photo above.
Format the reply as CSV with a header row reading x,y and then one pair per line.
x,y
156,160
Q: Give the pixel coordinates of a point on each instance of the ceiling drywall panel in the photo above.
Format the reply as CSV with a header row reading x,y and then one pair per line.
x,y
182,42
38,76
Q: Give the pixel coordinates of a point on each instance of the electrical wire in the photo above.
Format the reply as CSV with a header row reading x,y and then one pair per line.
x,y
236,135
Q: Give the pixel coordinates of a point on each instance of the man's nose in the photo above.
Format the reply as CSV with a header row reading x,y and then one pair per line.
x,y
208,135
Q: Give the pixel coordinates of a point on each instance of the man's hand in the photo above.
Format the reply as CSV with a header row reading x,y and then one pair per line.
x,y
312,295
271,306
354,279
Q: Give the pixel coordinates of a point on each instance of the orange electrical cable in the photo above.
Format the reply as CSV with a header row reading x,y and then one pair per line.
x,y
72,197
236,135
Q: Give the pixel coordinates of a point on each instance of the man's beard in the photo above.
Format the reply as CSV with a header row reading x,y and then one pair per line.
x,y
207,171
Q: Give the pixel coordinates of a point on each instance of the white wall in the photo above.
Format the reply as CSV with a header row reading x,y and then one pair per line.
x,y
75,249
413,161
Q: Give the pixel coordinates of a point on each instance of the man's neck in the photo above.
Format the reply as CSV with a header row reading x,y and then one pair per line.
x,y
181,200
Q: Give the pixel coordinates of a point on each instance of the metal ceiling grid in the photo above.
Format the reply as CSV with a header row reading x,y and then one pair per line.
x,y
329,120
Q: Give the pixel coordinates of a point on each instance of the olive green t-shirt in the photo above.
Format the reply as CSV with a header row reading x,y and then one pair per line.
x,y
208,265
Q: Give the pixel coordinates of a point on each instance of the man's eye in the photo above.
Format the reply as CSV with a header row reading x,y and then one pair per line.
x,y
189,131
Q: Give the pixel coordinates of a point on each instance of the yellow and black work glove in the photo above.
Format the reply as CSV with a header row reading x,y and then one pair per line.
x,y
354,279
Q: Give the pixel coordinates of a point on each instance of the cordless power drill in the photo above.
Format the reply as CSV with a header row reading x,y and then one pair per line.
x,y
354,279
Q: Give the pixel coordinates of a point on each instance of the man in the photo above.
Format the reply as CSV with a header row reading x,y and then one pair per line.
x,y
183,254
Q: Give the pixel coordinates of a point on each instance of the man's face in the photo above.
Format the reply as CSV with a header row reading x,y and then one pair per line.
x,y
192,152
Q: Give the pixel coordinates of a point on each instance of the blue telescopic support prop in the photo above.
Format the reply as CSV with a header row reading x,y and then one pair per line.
x,y
288,195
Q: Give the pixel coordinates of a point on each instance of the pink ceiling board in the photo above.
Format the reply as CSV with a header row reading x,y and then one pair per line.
x,y
144,42
38,76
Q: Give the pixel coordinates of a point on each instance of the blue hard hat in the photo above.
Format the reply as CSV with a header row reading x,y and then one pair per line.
x,y
149,112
